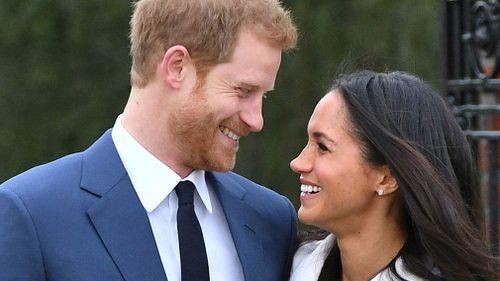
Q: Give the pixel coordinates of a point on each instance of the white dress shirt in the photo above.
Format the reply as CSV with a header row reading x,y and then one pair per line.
x,y
154,182
310,257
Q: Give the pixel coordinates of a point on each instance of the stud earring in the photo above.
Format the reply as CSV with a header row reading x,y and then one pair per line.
x,y
380,192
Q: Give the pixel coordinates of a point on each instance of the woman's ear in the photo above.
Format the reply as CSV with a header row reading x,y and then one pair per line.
x,y
176,64
387,183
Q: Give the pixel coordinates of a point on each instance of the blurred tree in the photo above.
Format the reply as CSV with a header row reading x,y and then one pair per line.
x,y
64,74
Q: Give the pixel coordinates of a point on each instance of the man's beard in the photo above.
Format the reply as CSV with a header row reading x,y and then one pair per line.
x,y
195,128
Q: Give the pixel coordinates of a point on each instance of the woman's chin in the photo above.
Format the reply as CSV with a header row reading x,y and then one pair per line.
x,y
305,216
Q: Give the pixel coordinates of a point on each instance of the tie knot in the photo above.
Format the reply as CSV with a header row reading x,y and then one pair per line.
x,y
185,192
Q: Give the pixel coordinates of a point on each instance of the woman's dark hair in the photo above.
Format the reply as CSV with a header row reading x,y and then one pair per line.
x,y
403,123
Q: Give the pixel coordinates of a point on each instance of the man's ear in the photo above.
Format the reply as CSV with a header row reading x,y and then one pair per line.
x,y
175,65
387,183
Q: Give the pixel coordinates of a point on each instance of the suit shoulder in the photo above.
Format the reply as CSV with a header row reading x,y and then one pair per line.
x,y
60,172
251,186
256,194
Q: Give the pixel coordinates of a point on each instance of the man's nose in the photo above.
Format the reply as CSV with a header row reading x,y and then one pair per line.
x,y
251,114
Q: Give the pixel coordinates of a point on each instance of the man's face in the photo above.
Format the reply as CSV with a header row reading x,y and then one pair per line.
x,y
227,106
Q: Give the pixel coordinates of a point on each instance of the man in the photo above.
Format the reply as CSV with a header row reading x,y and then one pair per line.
x,y
200,71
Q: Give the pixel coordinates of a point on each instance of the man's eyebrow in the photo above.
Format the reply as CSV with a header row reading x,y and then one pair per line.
x,y
248,85
252,86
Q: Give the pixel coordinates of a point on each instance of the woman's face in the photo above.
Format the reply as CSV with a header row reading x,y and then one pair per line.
x,y
332,163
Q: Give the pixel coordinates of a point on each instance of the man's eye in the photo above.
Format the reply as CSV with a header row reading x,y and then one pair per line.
x,y
243,90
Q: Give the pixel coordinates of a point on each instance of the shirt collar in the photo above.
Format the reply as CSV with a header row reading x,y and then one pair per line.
x,y
197,177
152,179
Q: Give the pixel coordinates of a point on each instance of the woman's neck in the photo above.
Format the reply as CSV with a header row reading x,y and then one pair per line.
x,y
365,253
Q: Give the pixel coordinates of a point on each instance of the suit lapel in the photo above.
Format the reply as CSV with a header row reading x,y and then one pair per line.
x,y
117,215
244,224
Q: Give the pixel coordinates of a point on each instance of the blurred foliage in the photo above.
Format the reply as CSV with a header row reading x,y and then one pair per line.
x,y
64,74
63,77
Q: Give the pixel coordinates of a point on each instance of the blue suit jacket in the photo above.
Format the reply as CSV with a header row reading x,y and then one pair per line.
x,y
79,218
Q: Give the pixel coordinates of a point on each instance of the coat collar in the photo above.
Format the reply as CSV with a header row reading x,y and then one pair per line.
x,y
117,215
244,223
123,225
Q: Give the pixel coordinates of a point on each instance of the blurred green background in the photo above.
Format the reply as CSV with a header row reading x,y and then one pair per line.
x,y
64,74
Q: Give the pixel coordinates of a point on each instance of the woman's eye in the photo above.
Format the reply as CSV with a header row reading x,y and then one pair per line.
x,y
322,147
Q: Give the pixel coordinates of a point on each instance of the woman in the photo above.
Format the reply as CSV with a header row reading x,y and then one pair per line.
x,y
387,175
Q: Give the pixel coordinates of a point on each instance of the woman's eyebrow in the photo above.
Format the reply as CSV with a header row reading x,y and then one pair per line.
x,y
320,135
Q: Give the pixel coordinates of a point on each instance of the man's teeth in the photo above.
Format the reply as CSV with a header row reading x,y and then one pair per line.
x,y
229,133
310,188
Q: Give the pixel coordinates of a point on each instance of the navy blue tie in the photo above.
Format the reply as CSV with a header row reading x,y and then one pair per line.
x,y
194,263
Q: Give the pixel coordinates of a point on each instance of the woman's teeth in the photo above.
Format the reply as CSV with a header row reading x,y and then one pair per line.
x,y
310,188
229,133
